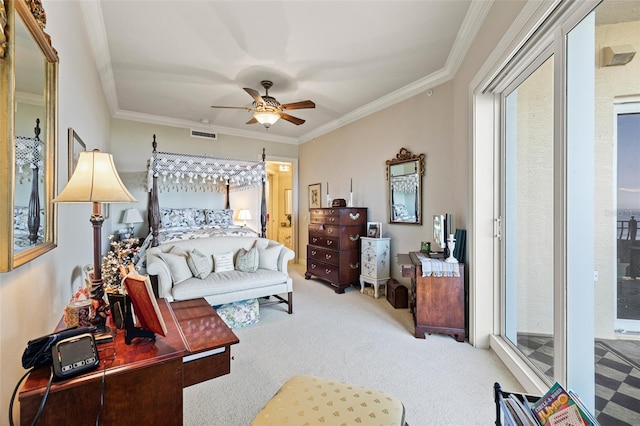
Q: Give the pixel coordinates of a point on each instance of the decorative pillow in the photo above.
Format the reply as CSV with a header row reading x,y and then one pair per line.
x,y
199,263
269,257
223,262
223,217
199,218
178,266
170,218
247,261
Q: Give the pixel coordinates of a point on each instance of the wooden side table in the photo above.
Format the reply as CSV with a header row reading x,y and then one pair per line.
x,y
143,382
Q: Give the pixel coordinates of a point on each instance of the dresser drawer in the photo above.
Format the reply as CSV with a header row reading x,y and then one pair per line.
x,y
339,216
350,242
343,274
332,257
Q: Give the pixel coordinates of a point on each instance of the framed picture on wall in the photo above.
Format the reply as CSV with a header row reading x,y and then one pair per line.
x,y
314,195
75,147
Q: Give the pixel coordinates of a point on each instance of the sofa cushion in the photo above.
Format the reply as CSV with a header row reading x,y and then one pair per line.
x,y
247,261
223,262
178,266
200,264
268,257
226,282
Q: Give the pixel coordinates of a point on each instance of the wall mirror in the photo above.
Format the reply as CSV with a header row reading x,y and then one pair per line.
x,y
28,115
404,174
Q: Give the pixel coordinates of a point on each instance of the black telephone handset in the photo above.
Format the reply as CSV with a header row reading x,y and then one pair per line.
x,y
70,352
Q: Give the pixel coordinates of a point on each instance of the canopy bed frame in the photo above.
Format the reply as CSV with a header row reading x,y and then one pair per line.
x,y
202,172
29,153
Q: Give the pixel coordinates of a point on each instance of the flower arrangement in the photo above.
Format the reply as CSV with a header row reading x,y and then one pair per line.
x,y
118,259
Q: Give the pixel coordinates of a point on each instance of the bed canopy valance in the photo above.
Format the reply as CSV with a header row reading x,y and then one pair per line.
x,y
187,172
184,172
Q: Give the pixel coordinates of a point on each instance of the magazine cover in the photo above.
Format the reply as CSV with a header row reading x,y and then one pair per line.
x,y
558,408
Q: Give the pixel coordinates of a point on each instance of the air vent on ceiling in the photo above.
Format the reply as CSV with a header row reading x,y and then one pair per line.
x,y
204,135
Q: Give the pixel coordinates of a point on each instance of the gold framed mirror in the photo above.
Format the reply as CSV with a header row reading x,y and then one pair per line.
x,y
404,174
28,120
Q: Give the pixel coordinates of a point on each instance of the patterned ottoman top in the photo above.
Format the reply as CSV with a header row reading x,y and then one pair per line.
x,y
309,400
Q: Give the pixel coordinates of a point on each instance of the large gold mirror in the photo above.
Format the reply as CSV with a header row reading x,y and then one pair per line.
x,y
28,115
404,174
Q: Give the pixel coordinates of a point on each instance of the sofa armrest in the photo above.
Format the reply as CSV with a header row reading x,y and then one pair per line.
x,y
286,254
157,266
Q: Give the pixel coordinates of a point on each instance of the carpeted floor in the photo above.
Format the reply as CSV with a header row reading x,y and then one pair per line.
x,y
354,338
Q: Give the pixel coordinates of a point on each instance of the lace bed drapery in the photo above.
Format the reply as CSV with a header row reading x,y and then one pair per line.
x,y
28,157
186,172
407,184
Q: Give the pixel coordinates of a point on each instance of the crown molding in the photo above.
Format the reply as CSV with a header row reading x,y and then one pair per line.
x,y
94,23
196,125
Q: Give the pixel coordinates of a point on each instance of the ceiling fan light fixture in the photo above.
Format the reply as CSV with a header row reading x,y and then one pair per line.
x,y
266,118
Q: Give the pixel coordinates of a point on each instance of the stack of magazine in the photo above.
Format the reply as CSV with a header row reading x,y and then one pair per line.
x,y
557,407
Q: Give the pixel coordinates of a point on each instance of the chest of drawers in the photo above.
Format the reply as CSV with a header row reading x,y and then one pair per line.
x,y
375,253
333,252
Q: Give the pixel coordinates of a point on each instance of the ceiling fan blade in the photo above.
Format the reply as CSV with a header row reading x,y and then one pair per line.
x,y
299,105
254,94
232,107
291,118
252,121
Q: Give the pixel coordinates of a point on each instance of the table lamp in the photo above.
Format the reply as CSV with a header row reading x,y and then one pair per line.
x,y
95,180
245,215
130,217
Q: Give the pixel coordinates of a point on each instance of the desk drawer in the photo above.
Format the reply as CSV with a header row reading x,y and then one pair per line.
x,y
207,367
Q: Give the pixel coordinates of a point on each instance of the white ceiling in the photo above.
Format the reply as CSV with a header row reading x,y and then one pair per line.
x,y
167,62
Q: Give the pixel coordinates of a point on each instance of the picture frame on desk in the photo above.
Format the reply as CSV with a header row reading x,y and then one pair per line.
x,y
374,229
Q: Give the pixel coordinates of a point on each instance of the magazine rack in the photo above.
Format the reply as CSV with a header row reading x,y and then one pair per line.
x,y
504,417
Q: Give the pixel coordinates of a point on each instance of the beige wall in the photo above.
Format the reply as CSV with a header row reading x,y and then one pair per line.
x,y
421,124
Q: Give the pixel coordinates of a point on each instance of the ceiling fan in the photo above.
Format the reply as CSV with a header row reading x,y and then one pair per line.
x,y
267,110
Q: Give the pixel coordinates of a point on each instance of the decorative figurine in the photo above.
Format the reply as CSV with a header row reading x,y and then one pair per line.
x,y
100,312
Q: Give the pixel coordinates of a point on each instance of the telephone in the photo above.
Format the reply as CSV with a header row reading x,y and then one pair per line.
x,y
70,352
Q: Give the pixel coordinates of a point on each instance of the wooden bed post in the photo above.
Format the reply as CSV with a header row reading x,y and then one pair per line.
x,y
263,205
33,214
154,205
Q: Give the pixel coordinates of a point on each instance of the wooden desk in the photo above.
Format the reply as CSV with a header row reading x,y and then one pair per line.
x,y
143,382
437,303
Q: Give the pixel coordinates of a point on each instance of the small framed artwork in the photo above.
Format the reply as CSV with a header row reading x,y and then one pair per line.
x,y
75,147
314,195
374,229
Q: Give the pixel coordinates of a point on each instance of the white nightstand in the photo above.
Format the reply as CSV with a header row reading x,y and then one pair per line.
x,y
374,258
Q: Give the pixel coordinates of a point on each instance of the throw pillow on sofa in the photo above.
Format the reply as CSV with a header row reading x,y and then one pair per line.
x,y
269,257
199,263
223,262
247,261
178,266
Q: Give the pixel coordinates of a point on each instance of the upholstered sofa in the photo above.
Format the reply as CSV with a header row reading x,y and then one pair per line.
x,y
222,269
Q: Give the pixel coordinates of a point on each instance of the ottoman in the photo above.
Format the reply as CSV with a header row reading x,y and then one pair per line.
x,y
310,400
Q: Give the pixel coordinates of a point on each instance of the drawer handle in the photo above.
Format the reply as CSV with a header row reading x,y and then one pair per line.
x,y
313,252
330,231
354,216
327,256
315,240
313,266
356,238
332,219
329,242
332,211
356,266
327,271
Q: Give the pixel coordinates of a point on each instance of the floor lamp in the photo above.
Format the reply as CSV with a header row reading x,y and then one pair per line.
x,y
95,180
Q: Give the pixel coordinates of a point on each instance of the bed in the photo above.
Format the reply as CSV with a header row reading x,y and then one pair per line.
x,y
186,172
28,217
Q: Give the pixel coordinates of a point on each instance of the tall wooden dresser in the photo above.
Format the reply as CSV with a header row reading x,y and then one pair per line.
x,y
333,253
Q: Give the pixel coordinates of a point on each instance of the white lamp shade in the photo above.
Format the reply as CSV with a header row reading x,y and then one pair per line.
x,y
266,118
244,215
95,179
132,216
